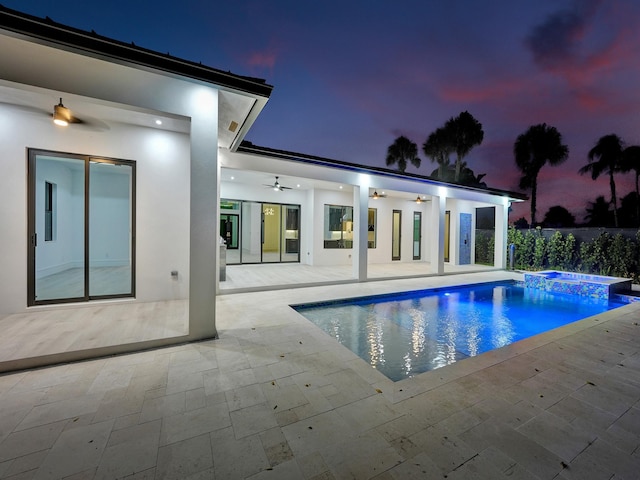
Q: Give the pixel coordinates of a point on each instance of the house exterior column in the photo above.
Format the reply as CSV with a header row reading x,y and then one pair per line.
x,y
501,227
360,230
438,207
203,243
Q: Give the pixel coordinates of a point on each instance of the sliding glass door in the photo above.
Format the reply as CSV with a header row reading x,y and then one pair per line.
x,y
271,233
268,232
81,228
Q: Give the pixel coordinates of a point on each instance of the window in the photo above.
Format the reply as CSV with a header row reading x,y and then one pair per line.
x,y
49,211
371,227
396,235
338,226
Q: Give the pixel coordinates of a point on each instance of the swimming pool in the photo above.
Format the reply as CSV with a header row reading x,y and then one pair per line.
x,y
409,333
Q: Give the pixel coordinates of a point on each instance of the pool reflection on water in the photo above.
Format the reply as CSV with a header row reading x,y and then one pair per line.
x,y
409,333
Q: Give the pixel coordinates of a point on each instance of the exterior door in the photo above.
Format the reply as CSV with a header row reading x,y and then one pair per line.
x,y
290,226
229,229
417,235
465,238
81,228
396,235
271,232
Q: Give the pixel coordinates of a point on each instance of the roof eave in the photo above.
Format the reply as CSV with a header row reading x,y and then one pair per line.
x,y
50,32
250,148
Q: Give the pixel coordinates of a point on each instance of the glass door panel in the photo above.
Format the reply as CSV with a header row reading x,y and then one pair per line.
x,y
81,228
417,235
290,223
251,232
110,229
271,214
229,231
395,235
57,219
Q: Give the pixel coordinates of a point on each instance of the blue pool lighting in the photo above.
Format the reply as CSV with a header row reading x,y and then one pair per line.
x,y
409,333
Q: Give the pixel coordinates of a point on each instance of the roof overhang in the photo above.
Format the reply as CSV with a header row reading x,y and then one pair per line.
x,y
44,54
393,178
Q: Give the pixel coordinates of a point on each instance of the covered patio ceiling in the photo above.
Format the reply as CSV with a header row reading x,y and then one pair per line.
x,y
265,180
96,115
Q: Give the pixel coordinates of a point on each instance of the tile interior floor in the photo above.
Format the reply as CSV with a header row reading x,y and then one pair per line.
x,y
275,397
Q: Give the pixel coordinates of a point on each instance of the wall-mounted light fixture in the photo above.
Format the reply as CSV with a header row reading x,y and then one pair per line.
x,y
418,199
61,114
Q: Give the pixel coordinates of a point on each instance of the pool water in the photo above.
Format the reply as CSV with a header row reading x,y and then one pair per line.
x,y
409,333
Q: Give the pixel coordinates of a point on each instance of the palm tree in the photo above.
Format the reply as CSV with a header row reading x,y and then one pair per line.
x,y
598,213
539,145
631,161
401,151
606,157
438,147
465,132
558,217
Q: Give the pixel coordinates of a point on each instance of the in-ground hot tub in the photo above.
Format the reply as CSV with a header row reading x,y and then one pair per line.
x,y
595,286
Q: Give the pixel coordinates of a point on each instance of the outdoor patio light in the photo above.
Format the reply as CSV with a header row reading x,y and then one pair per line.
x,y
418,199
61,115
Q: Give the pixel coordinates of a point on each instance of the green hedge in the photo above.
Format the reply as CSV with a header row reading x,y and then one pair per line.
x,y
484,247
604,255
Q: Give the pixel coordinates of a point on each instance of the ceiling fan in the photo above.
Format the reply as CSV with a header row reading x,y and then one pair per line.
x,y
377,195
277,186
62,116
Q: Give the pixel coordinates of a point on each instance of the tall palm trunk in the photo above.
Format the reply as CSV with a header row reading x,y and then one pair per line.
x,y
614,200
637,199
534,188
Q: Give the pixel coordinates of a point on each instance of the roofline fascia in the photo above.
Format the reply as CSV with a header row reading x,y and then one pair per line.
x,y
250,148
49,32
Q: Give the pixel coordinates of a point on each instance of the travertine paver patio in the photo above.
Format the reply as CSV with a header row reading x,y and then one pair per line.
x,y
275,397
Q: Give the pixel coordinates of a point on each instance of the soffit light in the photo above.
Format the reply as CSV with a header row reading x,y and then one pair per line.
x,y
61,114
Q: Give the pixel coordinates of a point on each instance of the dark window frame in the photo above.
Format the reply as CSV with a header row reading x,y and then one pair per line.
x,y
32,240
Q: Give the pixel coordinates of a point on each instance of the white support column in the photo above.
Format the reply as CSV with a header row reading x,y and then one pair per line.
x,y
438,207
360,230
203,241
500,243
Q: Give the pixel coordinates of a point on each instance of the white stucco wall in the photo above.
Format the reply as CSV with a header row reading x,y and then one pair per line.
x,y
163,187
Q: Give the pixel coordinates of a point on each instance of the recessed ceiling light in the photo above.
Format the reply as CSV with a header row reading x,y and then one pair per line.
x,y
158,122
298,185
233,178
340,187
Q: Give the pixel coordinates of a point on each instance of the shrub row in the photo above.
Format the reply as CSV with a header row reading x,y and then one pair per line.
x,y
604,255
484,247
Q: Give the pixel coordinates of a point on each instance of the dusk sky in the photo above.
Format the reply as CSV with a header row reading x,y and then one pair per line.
x,y
351,76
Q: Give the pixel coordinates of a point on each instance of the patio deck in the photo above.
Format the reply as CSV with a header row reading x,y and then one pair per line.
x,y
275,397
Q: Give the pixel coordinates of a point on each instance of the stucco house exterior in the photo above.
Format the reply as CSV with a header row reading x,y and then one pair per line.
x,y
126,204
